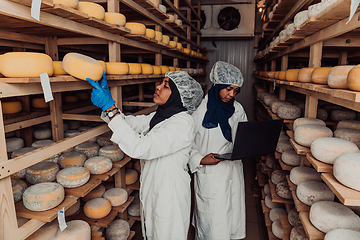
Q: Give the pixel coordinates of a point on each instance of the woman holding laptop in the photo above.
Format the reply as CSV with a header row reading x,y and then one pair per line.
x,y
219,185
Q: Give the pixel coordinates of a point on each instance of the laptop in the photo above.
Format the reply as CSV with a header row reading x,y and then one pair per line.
x,y
253,139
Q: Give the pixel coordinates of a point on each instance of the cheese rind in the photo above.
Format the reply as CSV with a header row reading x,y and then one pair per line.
x,y
165,39
42,172
119,229
68,3
13,144
146,68
73,177
352,135
97,208
283,190
353,82
134,208
343,234
305,134
304,75
337,77
98,165
58,70
116,196
18,188
158,36
11,107
136,28
72,159
298,233
275,213
134,68
278,176
293,218
115,18
92,9
42,133
47,231
338,115
150,33
131,176
288,111
75,230
290,157
346,170
292,75
73,209
300,174
310,192
164,69
81,66
354,124
277,229
97,192
283,145
320,75
113,152
39,103
302,121
88,148
270,204
117,68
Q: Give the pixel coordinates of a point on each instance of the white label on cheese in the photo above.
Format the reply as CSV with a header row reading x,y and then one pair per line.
x,y
35,9
45,84
61,219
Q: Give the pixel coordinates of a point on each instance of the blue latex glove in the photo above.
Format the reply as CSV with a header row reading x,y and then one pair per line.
x,y
100,95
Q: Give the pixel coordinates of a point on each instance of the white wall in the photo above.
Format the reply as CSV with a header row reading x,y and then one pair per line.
x,y
241,54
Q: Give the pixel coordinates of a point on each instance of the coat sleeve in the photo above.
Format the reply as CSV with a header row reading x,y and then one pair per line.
x,y
140,122
195,155
177,133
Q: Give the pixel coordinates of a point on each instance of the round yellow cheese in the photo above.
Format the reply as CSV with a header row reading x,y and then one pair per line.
x,y
39,103
116,196
58,70
187,50
117,68
97,208
115,18
42,172
68,3
43,196
134,68
73,177
305,75
137,166
172,68
92,9
103,64
26,64
173,44
136,28
192,52
353,78
129,165
179,46
70,98
81,66
11,107
320,75
131,176
88,148
97,192
76,230
146,68
165,39
47,231
178,22
72,159
277,74
82,95
150,33
73,209
282,75
18,188
292,75
98,165
337,77
177,69
158,36
164,69
157,70
170,19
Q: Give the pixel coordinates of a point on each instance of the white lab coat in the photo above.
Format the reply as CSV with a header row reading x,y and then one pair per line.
x,y
219,189
164,181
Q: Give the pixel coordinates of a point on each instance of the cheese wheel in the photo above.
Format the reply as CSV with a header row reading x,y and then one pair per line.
x,y
70,99
321,114
42,172
320,75
352,135
276,104
92,9
310,192
283,190
102,64
74,209
43,143
315,9
136,28
312,121
117,68
290,157
47,231
300,18
171,68
115,18
158,36
72,159
346,168
104,139
269,99
11,107
43,196
353,82
300,174
116,196
157,70
150,33
277,229
277,74
278,176
68,3
288,111
173,44
338,115
75,230
131,176
98,165
146,68
58,70
275,213
42,133
178,22
97,208
164,69
165,39
21,173
293,218
177,69
270,204
97,192
13,144
304,75
26,64
88,148
282,75
354,124
137,166
39,103
270,161
327,216
162,8
18,188
73,177
70,133
343,234
179,46
113,152
134,68
328,149
170,19
292,75
74,125
298,233
117,230
267,189
134,208
271,74
337,77
305,134
187,50
283,145
81,66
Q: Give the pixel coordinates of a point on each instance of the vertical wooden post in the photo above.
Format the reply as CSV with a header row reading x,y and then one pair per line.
x,y
114,52
158,56
265,67
188,33
315,55
116,93
342,58
8,222
51,48
56,117
284,62
282,93
311,106
273,65
26,133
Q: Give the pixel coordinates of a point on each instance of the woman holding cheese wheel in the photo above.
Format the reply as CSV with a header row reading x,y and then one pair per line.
x,y
162,140
219,185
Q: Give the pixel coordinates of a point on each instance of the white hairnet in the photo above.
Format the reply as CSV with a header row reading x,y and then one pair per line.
x,y
190,90
226,73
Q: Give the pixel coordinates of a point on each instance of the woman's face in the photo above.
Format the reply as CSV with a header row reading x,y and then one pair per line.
x,y
228,93
162,92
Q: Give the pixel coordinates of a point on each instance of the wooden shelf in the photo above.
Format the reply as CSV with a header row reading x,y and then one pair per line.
x,y
276,198
292,186
122,208
277,155
268,222
137,218
262,178
103,222
271,235
132,234
311,231
301,150
300,207
286,226
347,196
85,189
106,176
284,166
264,207
319,166
122,162
135,186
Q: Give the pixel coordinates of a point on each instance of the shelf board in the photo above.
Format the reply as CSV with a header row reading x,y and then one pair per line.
x,y
300,207
290,134
286,226
135,186
132,234
268,222
107,175
277,155
103,222
284,166
292,186
136,218
83,190
319,166
271,235
262,178
45,216
122,208
347,196
276,198
301,150
122,162
311,231
264,207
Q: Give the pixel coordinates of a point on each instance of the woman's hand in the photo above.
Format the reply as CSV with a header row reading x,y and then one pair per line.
x,y
100,95
210,159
